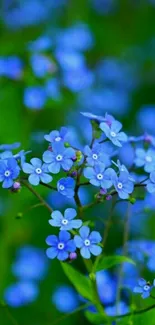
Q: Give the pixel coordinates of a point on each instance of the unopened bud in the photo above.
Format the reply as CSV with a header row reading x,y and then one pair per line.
x,y
132,200
16,187
92,276
73,256
108,197
19,215
78,155
67,145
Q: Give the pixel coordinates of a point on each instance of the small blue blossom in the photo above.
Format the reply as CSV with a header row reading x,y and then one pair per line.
x,y
122,168
144,288
41,65
151,183
66,186
57,136
38,172
113,133
146,159
34,97
96,155
61,246
98,176
59,157
66,299
123,184
65,222
53,89
43,43
9,170
21,294
87,242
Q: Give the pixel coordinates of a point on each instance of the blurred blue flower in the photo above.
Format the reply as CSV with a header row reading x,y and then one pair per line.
x,y
34,97
61,246
151,183
31,264
66,186
78,79
98,176
96,155
53,90
104,7
146,117
42,43
121,309
146,159
12,146
106,281
38,172
144,288
65,299
113,133
65,222
9,170
57,136
59,157
11,67
70,60
123,184
87,242
41,65
21,293
93,117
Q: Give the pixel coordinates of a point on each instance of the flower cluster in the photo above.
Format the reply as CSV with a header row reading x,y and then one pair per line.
x,y
92,165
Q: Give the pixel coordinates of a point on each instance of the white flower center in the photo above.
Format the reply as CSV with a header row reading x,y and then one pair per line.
x,y
87,242
120,185
146,287
64,222
148,158
113,134
99,176
61,187
38,171
7,173
95,156
59,157
61,246
58,139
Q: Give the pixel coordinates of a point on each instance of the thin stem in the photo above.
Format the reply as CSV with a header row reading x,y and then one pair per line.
x,y
137,312
9,315
39,197
109,222
125,240
57,321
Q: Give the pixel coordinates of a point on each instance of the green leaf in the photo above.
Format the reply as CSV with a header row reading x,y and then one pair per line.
x,y
79,281
110,261
95,318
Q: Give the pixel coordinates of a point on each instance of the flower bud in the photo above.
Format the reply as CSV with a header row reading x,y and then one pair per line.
x,y
78,156
16,187
108,197
73,256
92,276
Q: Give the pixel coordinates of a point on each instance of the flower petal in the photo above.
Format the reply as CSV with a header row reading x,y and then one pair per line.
x,y
84,232
85,252
34,179
95,250
78,241
64,236
70,214
51,252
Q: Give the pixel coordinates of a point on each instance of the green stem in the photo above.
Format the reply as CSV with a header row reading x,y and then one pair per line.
x,y
57,321
39,197
9,315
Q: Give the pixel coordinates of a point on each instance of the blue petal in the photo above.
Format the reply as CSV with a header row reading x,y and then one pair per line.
x,y
52,240
67,164
36,162
69,153
95,250
84,232
70,214
64,236
122,137
116,126
54,167
85,252
7,183
137,290
78,241
57,215
48,156
45,178
51,252
34,179
89,172
54,223
62,255
95,237
28,168
146,294
70,246
75,224
95,182
142,282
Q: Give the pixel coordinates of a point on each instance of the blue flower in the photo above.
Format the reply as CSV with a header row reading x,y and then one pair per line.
x,y
38,172
65,222
61,246
66,299
120,309
144,288
146,159
66,186
41,65
123,184
53,89
93,117
11,146
122,168
96,155
43,43
87,242
151,183
113,133
98,176
9,170
57,136
34,97
59,157
21,293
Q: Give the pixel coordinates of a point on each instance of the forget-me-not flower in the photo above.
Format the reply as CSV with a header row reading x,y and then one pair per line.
x,y
96,155
98,176
66,186
151,183
34,97
21,293
9,170
146,159
65,222
59,157
123,184
38,172
88,242
57,136
144,288
113,133
61,246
